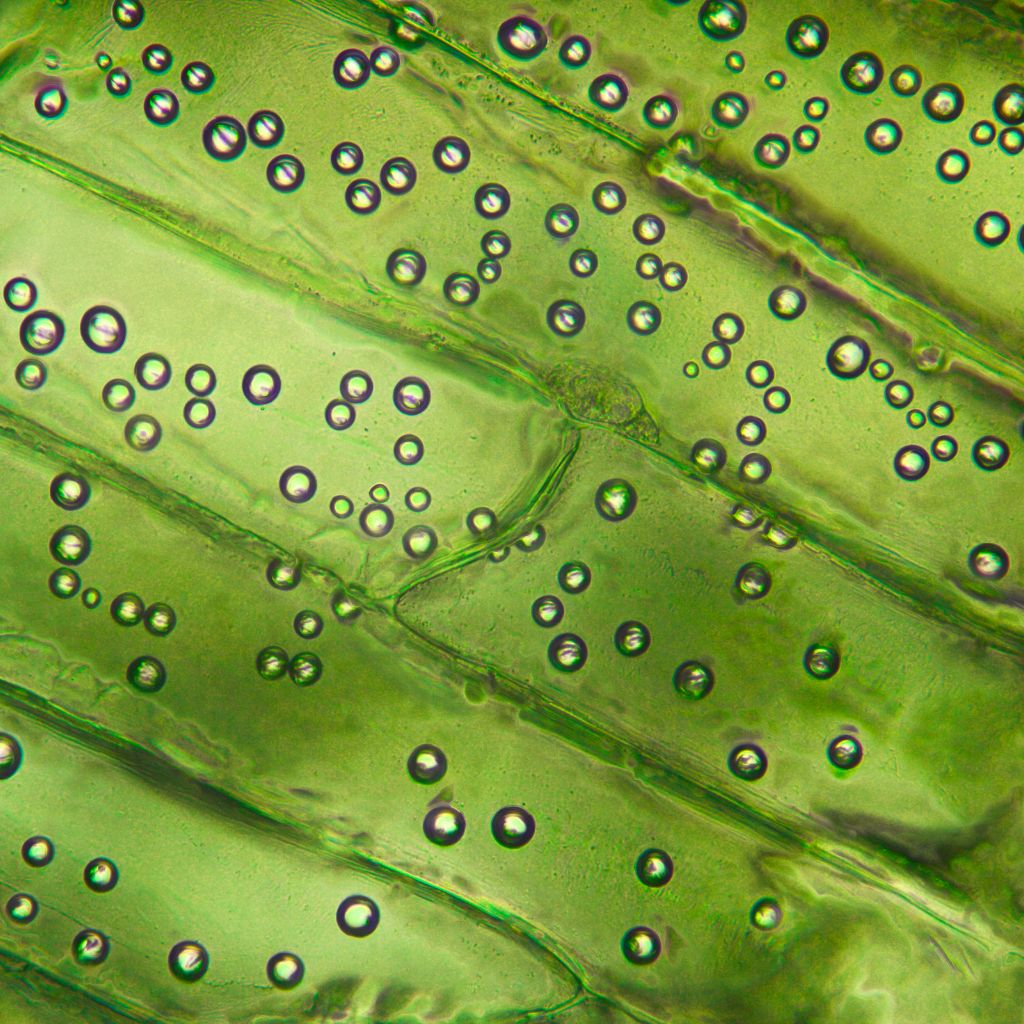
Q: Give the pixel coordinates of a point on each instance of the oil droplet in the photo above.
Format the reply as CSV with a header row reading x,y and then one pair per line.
x,y
358,916
101,874
297,484
862,73
911,462
70,545
513,827
41,332
766,914
567,652
188,960
693,680
285,970
821,660
547,611
722,20
522,38
20,294
989,561
748,762
753,581
427,764
90,947
444,825
845,752
632,639
37,851
147,674
990,453
22,908
654,868
807,36
641,945
615,500
574,577
305,669
10,756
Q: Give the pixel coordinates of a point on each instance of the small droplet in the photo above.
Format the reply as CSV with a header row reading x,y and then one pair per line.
x,y
609,92
632,639
641,946
101,874
513,827
943,102
22,908
845,752
807,36
427,764
351,68
574,577
41,332
654,868
90,947
990,453
37,851
911,462
989,561
615,500
748,762
10,756
70,545
567,652
522,38
188,961
147,674
693,680
305,669
766,915
444,825
20,294
197,77
358,916
862,73
753,581
821,660
419,542
297,484
161,107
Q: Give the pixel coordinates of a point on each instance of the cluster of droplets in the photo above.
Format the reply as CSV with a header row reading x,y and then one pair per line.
x,y
444,825
849,358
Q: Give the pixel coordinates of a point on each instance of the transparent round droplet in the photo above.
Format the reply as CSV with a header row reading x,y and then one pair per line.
x,y
722,19
90,947
398,175
566,317
807,36
297,484
347,157
992,228
522,38
905,80
575,51
38,851
358,916
615,500
69,491
272,662
51,102
753,581
419,541
708,455
661,111
157,58
285,970
461,289
547,611
643,318
766,915
188,961
911,462
147,674
30,374
10,756
608,197
282,575
376,520
883,135
406,266
772,150
990,453
362,196
103,329
127,609
101,874
161,107
261,384
339,414
513,827
748,762
20,294
953,165
693,680
654,868
128,14
648,229
305,668
848,357
496,244
609,92
70,545
943,102
641,945
988,561
427,764
632,639
64,583
197,77
574,577
351,68
567,652
444,825
22,908
492,201
862,72
41,332
845,752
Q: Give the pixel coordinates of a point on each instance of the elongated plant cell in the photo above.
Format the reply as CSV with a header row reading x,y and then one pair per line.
x,y
511,514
